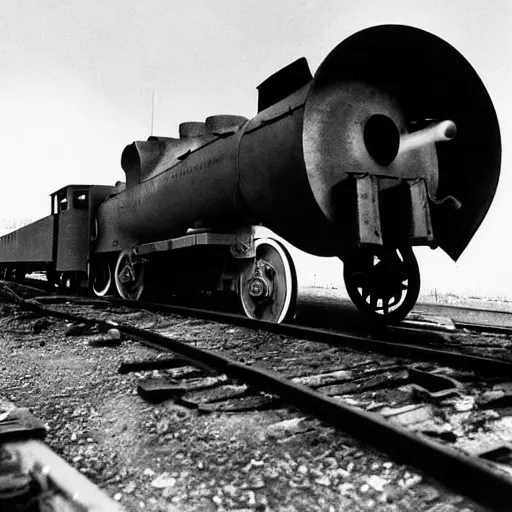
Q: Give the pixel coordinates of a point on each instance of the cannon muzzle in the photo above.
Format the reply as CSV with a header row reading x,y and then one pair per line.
x,y
438,132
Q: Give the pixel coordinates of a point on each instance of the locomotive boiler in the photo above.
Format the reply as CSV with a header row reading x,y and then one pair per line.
x,y
393,143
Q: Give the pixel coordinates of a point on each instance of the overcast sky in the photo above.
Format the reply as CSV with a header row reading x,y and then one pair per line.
x,y
76,80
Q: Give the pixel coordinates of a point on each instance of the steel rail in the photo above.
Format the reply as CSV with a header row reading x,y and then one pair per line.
x,y
467,309
485,365
393,346
491,329
471,477
397,331
375,343
67,488
54,483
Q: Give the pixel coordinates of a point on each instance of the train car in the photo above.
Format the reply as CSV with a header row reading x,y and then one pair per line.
x,y
59,244
393,143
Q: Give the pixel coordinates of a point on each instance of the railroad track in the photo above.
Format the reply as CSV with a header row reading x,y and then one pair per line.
x,y
415,343
471,315
34,477
389,342
337,311
473,319
467,475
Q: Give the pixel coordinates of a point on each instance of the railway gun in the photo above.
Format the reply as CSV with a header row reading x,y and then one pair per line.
x,y
393,143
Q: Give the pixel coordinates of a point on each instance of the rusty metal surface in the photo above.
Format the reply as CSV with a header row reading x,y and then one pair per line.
x,y
143,160
273,180
224,124
192,129
373,107
421,222
201,187
73,241
229,239
30,244
377,72
369,231
283,83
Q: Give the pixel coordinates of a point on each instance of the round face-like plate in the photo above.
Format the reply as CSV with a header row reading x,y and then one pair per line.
x,y
404,75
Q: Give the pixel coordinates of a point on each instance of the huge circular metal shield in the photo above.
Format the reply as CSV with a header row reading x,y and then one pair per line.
x,y
400,75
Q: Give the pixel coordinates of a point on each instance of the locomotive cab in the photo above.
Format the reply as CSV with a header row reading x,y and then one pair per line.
x,y
71,206
74,208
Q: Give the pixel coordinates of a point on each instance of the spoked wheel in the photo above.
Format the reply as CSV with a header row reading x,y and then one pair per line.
x,y
268,288
129,275
383,283
101,278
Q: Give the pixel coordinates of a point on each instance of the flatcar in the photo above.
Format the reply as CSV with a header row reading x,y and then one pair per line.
x,y
393,143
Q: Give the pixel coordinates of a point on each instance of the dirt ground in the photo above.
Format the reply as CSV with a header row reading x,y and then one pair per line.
x,y
168,457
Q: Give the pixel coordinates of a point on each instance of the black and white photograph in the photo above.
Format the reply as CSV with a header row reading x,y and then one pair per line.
x,y
254,256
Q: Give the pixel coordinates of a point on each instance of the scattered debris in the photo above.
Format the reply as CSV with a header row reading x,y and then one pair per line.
x,y
41,324
388,379
444,507
408,414
158,364
186,372
163,480
111,338
464,404
433,387
377,483
322,379
78,329
159,389
439,323
443,432
496,399
250,403
289,427
216,394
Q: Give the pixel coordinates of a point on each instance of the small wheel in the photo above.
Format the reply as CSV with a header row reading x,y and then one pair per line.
x,y
383,283
101,278
53,278
268,288
129,276
68,282
19,274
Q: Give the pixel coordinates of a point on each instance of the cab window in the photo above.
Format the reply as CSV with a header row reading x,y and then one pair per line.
x,y
62,202
80,200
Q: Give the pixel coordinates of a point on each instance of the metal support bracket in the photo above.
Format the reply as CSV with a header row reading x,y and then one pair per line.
x,y
368,231
421,231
